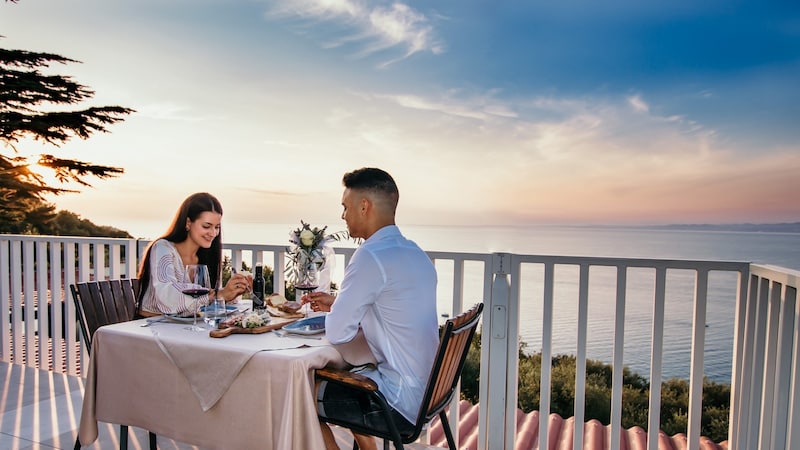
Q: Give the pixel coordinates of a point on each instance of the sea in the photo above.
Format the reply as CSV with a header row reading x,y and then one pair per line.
x,y
773,248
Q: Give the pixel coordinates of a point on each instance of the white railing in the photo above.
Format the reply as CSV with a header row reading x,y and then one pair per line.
x,y
499,361
765,393
764,390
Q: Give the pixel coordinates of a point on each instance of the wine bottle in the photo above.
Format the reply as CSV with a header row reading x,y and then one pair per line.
x,y
258,287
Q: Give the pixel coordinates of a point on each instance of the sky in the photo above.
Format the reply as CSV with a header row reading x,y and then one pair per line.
x,y
485,112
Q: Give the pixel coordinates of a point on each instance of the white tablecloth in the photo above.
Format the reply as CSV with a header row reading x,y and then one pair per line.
x,y
237,392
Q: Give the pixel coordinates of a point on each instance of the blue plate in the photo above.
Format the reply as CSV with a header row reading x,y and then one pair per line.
x,y
311,325
228,308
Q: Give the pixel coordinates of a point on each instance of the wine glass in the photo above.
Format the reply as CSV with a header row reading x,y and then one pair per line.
x,y
307,277
196,284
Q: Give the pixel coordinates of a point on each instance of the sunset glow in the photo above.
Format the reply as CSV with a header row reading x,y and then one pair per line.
x,y
508,113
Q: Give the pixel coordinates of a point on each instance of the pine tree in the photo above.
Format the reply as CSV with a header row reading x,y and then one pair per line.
x,y
29,109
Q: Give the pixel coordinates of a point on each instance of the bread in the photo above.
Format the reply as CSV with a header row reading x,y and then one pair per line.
x,y
280,302
276,299
290,307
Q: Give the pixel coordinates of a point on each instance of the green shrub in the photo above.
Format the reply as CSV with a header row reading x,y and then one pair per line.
x,y
635,393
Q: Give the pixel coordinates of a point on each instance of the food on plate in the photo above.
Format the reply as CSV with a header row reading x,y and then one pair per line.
x,y
250,319
290,307
280,302
277,304
230,321
276,299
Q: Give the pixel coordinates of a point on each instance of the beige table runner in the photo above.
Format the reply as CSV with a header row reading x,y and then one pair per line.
x,y
211,364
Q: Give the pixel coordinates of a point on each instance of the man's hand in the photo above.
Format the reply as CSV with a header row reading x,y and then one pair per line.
x,y
319,301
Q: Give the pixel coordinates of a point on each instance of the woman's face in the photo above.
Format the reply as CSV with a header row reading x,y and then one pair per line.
x,y
205,228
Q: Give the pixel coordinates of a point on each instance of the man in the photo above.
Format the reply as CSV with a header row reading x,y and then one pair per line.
x,y
389,292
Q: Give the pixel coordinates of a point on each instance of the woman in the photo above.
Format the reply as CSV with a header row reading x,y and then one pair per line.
x,y
195,237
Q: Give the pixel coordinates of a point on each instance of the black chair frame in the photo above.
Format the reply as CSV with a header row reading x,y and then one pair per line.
x,y
106,302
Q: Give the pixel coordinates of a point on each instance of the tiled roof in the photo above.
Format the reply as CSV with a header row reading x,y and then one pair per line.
x,y
596,436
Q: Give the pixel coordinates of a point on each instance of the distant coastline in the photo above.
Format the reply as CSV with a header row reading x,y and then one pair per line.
x,y
789,227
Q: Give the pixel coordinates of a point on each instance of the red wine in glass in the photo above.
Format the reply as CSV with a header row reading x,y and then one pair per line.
x,y
196,291
196,285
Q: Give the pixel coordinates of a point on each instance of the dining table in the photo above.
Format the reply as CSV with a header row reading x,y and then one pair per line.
x,y
242,391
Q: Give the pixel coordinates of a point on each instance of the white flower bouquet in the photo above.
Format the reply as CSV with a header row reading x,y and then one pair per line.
x,y
307,252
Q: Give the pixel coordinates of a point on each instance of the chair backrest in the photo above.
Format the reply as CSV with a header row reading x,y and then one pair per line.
x,y
104,302
453,348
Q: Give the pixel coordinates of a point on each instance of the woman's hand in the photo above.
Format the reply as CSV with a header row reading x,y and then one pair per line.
x,y
237,285
319,301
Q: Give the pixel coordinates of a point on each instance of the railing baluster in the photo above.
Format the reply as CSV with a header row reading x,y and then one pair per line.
x,y
45,304
770,361
740,377
29,312
619,343
580,358
58,303
793,419
759,346
783,365
696,370
73,359
17,325
6,306
547,354
656,355
83,262
114,256
99,263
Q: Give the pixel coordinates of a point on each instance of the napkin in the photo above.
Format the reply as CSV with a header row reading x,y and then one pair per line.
x,y
209,371
210,368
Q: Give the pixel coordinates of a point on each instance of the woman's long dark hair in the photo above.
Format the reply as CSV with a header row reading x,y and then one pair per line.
x,y
191,208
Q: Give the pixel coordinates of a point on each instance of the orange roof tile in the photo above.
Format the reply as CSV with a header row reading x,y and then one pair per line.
x,y
596,436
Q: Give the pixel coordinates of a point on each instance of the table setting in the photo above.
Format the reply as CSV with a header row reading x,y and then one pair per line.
x,y
189,377
182,383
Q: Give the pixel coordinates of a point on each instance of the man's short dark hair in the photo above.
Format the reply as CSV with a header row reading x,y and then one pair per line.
x,y
373,180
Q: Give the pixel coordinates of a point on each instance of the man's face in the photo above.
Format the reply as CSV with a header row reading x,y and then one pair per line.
x,y
351,213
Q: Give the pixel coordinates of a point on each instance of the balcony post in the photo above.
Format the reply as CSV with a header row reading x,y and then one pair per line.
x,y
498,388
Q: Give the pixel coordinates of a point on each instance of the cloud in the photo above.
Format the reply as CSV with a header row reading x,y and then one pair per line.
x,y
479,108
608,159
638,104
379,27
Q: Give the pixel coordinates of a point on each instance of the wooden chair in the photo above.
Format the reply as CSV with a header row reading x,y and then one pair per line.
x,y
453,348
101,303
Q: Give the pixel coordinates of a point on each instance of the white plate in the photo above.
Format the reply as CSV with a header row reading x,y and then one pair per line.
x,y
183,319
311,325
